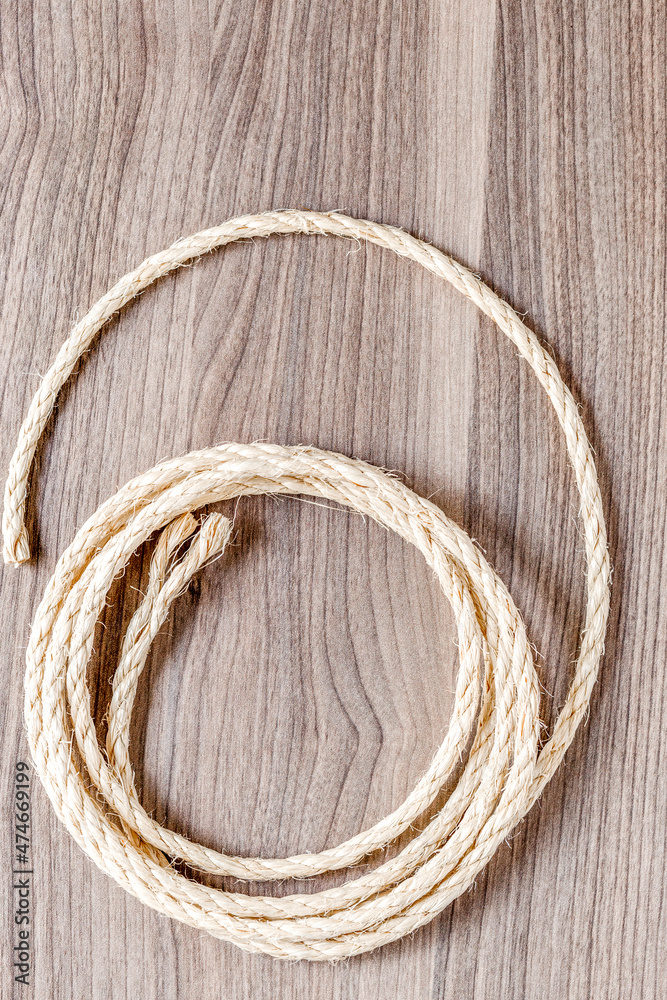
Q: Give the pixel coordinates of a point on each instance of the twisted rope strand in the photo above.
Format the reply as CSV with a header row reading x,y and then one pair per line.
x,y
496,707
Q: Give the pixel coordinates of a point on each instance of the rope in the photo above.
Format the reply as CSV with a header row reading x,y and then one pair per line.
x,y
496,710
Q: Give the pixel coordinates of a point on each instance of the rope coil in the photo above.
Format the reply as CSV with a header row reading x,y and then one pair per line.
x,y
496,708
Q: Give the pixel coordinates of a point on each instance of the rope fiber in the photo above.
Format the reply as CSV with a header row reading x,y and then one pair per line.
x,y
496,709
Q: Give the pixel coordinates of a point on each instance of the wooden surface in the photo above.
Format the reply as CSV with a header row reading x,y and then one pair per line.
x,y
303,683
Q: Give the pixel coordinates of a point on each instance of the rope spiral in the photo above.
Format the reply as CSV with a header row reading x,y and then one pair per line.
x,y
496,710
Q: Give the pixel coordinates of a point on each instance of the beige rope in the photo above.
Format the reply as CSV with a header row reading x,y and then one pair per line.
x,y
496,708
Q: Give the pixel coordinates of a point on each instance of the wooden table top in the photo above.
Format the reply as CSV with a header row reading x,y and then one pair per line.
x,y
303,682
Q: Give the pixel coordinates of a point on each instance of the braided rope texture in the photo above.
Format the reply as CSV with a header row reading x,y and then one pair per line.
x,y
496,710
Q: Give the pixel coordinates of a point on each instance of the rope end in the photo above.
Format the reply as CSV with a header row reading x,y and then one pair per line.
x,y
215,533
17,550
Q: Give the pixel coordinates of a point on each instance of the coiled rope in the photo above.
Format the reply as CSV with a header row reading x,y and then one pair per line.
x,y
496,708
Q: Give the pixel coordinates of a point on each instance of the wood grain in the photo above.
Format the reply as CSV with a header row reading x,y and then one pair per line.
x,y
302,685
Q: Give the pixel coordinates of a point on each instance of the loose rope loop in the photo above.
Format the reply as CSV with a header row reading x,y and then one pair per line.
x,y
496,708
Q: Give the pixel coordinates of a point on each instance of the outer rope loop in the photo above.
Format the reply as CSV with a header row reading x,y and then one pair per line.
x,y
496,709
